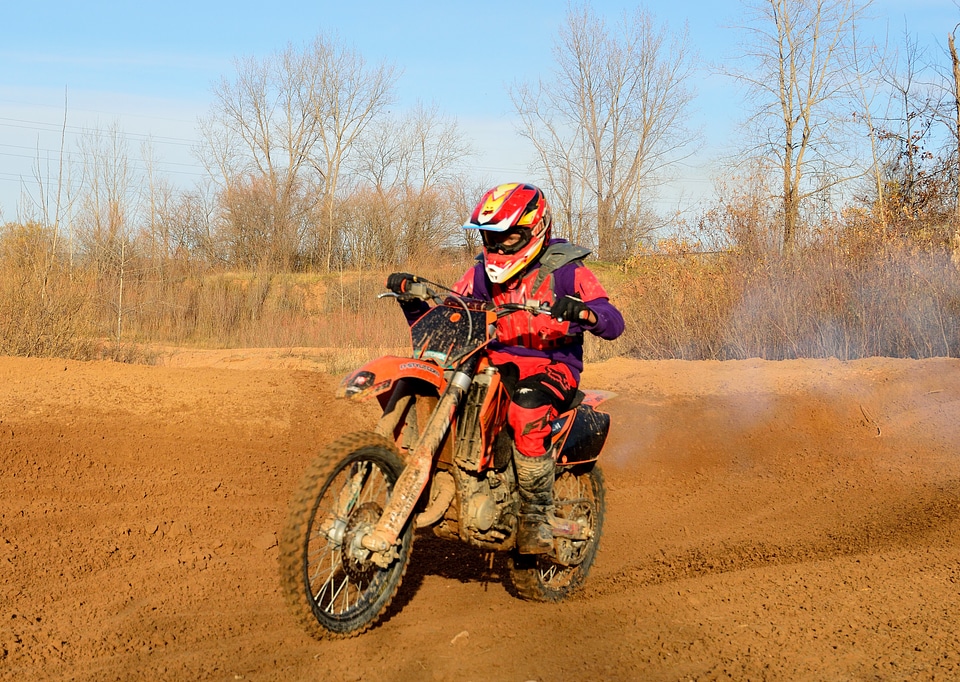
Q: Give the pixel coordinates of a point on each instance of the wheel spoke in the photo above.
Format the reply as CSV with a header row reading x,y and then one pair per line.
x,y
320,549
335,564
548,573
372,492
569,502
346,596
333,597
330,573
351,488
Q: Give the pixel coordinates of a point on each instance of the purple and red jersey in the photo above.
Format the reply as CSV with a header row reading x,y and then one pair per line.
x,y
526,334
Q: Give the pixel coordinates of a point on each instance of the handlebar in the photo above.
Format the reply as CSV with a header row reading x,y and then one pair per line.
x,y
420,291
531,305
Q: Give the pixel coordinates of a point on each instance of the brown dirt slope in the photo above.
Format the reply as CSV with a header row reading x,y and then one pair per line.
x,y
783,521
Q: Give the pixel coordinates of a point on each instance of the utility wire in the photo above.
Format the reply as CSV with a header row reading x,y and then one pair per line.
x,y
40,126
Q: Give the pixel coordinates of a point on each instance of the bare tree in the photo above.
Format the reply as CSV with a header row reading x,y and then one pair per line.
x,y
608,123
797,53
349,97
108,199
908,132
159,194
53,200
953,88
108,206
439,147
413,162
53,192
260,135
285,126
187,219
866,63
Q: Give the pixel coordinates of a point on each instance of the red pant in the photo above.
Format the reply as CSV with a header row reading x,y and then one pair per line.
x,y
539,390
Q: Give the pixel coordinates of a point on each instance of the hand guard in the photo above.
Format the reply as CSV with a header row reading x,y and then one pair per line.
x,y
570,309
399,282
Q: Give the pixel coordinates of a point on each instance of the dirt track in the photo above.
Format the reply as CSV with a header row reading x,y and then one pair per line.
x,y
782,521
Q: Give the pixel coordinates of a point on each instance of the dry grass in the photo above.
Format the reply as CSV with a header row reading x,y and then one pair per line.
x,y
814,303
821,301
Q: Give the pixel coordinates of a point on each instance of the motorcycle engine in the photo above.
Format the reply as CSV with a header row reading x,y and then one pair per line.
x,y
484,513
488,511
481,512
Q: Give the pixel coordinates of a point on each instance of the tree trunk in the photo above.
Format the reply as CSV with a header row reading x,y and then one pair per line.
x,y
956,129
791,198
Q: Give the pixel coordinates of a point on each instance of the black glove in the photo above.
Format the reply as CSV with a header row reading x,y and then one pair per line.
x,y
399,282
570,309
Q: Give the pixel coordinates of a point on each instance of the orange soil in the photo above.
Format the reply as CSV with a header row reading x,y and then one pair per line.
x,y
766,520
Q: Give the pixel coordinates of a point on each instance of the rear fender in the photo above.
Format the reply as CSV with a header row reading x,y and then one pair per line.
x,y
379,377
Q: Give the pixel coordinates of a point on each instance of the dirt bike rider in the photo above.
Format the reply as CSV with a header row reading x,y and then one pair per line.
x,y
539,357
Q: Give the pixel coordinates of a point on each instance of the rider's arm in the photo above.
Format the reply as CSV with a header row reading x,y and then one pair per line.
x,y
609,324
413,309
399,283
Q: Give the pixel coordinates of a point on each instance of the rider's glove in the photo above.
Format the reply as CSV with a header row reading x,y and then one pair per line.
x,y
570,309
399,282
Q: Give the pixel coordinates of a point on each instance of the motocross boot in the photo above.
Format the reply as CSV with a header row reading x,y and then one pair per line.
x,y
535,476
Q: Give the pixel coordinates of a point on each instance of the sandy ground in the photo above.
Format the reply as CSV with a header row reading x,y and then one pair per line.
x,y
766,521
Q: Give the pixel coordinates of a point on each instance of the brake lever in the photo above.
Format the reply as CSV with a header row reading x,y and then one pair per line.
x,y
531,305
417,290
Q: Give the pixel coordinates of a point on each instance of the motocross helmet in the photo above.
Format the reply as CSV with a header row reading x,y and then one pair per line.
x,y
504,210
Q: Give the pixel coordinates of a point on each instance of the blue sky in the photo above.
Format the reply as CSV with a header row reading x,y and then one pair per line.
x,y
149,68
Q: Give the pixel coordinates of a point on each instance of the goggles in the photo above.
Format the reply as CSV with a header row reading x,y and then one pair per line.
x,y
494,241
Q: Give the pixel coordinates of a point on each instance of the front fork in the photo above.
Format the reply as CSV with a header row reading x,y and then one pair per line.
x,y
415,475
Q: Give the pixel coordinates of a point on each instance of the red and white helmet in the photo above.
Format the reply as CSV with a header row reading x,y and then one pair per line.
x,y
511,207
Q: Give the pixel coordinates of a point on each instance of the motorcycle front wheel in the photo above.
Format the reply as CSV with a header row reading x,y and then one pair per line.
x,y
329,581
578,495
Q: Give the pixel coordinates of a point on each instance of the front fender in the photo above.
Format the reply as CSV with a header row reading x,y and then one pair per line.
x,y
379,376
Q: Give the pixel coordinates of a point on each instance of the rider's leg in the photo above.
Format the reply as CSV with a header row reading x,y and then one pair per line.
x,y
536,402
535,477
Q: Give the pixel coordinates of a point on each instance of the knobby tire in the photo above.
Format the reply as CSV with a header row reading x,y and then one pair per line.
x,y
330,592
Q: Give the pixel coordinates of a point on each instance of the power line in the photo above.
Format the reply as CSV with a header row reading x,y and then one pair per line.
x,y
60,108
132,166
39,153
40,126
68,153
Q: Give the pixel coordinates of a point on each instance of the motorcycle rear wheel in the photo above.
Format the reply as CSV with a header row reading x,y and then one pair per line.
x,y
578,494
329,582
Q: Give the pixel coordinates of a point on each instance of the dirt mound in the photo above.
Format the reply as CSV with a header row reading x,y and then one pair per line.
x,y
788,520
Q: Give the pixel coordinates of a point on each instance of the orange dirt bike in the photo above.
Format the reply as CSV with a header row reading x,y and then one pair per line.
x,y
439,457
